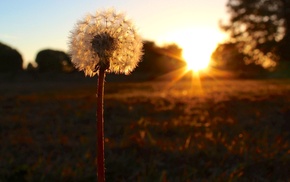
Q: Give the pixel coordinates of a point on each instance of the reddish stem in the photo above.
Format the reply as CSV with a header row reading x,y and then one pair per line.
x,y
100,127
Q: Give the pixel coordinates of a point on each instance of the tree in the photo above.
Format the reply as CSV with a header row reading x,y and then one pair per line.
x,y
261,28
149,57
159,60
172,50
52,60
227,57
284,46
10,59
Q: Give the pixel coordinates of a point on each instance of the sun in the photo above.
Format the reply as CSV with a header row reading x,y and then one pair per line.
x,y
197,45
197,58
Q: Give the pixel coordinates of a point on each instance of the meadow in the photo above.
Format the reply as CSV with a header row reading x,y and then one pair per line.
x,y
212,130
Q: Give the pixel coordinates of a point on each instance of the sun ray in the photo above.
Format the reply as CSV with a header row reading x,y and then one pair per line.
x,y
197,45
174,76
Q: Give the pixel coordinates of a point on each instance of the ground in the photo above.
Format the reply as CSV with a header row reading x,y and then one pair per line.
x,y
213,130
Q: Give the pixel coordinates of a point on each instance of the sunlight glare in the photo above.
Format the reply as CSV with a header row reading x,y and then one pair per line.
x,y
197,43
196,59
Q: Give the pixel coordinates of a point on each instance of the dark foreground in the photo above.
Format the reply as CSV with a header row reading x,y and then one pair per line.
x,y
155,131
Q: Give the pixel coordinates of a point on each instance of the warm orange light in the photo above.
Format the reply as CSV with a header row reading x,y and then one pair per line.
x,y
197,45
197,58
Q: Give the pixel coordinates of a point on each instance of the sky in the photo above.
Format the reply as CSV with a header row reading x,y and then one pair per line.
x,y
33,25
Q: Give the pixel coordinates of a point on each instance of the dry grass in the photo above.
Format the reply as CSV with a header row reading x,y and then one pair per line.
x,y
155,131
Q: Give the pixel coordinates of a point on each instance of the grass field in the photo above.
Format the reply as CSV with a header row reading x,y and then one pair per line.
x,y
226,130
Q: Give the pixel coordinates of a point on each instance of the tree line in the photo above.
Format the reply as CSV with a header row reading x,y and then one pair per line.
x,y
259,38
258,45
156,60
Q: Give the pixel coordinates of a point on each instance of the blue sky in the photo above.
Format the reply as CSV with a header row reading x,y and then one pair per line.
x,y
33,25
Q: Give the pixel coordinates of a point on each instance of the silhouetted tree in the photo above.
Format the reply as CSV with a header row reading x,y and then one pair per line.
x,y
10,59
260,27
171,57
172,50
228,57
284,45
30,67
52,60
159,60
149,57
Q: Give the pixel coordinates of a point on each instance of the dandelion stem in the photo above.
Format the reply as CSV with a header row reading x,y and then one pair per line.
x,y
100,127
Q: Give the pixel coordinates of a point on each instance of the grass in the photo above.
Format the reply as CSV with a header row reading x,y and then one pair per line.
x,y
227,130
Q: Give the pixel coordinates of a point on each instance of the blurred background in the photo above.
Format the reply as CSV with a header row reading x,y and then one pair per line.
x,y
209,100
249,39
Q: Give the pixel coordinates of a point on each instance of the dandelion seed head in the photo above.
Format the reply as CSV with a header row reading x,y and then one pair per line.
x,y
107,39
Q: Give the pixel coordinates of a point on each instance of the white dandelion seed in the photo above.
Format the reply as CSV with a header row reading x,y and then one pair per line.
x,y
106,39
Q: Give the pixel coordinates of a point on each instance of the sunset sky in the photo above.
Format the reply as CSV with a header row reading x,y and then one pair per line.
x,y
32,25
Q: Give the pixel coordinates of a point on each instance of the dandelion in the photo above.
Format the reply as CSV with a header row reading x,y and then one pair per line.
x,y
104,42
106,39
